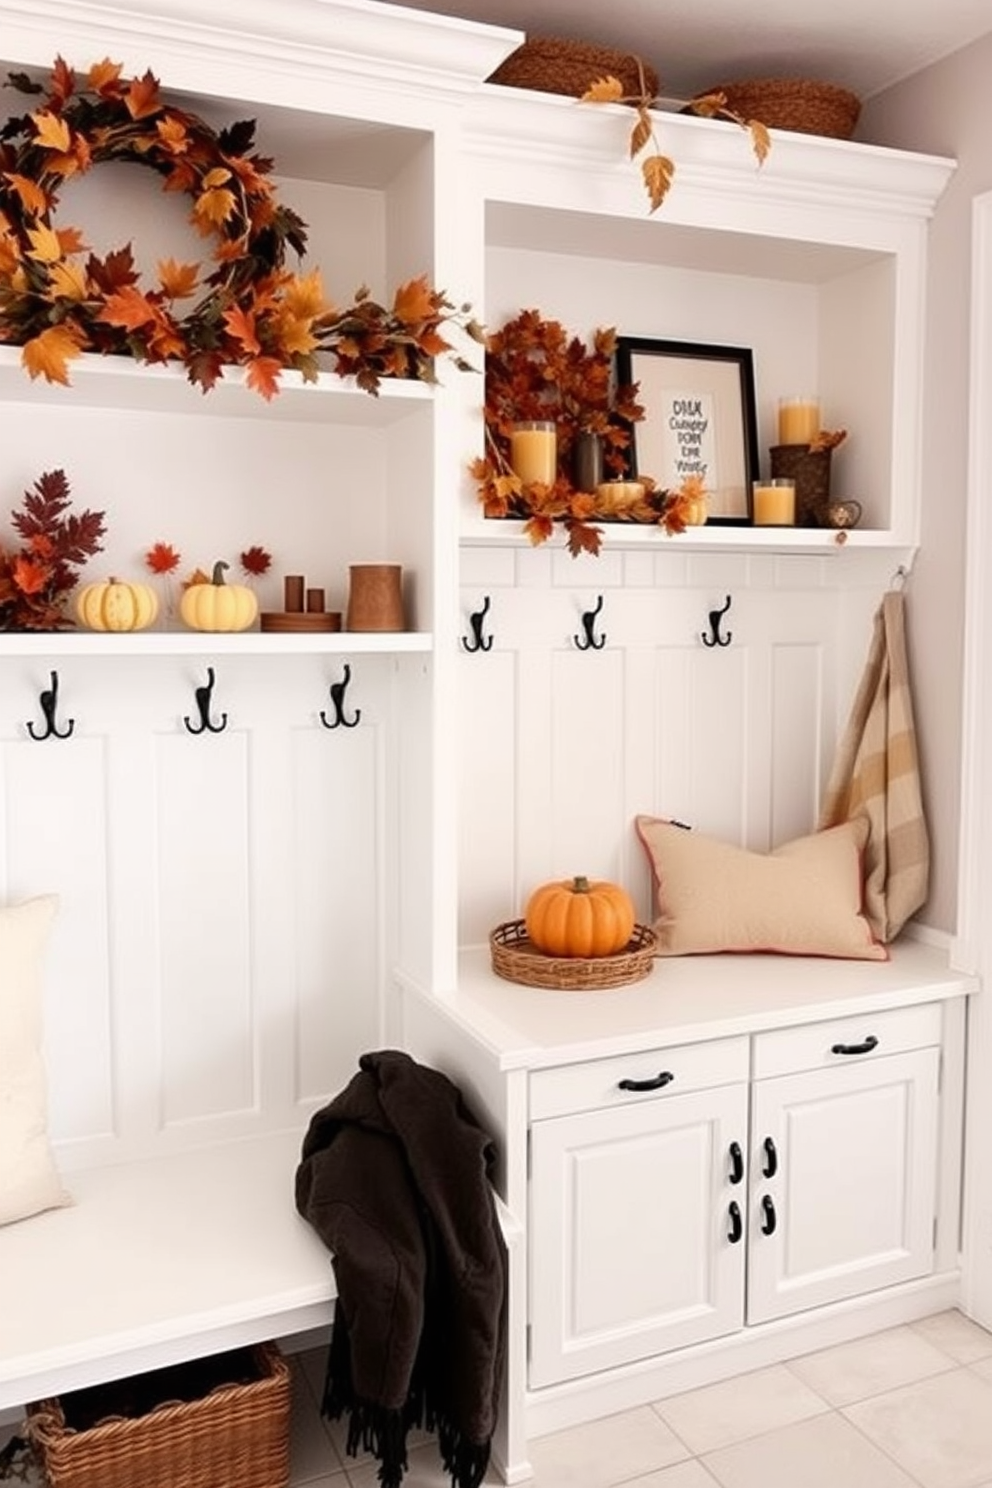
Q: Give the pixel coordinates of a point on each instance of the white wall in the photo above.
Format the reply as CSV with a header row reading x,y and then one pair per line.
x,y
942,110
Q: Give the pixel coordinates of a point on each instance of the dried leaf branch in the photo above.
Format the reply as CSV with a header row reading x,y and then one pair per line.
x,y
658,169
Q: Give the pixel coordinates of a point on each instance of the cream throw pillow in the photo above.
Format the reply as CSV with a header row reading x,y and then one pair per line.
x,y
803,899
29,1180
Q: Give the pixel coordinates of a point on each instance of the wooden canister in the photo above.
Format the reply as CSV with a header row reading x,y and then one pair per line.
x,y
375,597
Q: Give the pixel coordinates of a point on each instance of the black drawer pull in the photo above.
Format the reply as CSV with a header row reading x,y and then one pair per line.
x,y
736,1226
656,1082
736,1162
770,1165
769,1219
871,1042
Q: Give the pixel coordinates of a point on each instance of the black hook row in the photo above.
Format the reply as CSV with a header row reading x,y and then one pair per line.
x,y
205,722
589,640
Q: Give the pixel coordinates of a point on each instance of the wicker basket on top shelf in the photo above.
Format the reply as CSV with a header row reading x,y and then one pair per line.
x,y
551,64
800,104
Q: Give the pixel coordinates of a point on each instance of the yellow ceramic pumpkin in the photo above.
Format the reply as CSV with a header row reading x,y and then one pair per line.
x,y
115,605
218,606
580,918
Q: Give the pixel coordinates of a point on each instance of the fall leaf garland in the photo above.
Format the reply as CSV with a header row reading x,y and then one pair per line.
x,y
246,310
657,169
536,369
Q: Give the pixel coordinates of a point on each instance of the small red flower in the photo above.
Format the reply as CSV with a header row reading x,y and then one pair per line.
x,y
162,558
256,561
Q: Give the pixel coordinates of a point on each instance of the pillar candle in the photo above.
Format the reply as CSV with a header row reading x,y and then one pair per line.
x,y
798,420
774,503
534,452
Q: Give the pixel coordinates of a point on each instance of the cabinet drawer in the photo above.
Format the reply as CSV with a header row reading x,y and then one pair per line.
x,y
596,1084
820,1045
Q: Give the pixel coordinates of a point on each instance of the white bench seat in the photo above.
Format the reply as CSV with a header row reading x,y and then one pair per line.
x,y
156,1261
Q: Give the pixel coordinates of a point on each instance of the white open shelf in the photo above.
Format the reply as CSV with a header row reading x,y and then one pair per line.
x,y
120,383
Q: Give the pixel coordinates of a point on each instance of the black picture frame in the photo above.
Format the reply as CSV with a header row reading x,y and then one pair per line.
x,y
699,418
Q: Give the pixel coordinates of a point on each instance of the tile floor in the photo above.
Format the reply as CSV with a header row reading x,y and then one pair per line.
x,y
907,1408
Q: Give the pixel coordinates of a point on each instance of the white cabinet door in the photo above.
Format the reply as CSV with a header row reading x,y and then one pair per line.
x,y
843,1165
635,1248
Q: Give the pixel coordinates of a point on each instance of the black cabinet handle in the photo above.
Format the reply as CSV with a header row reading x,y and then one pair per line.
x,y
656,1082
871,1042
770,1165
736,1225
736,1162
769,1219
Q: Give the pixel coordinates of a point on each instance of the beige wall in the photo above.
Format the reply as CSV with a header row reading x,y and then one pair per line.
x,y
942,111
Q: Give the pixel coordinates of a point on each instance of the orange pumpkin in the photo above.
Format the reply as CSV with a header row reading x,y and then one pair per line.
x,y
577,918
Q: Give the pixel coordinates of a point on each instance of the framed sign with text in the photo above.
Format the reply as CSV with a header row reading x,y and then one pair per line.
x,y
699,419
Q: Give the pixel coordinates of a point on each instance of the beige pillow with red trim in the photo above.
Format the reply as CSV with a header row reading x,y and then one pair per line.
x,y
803,899
29,1179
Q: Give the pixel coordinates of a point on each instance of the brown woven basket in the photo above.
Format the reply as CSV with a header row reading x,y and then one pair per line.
x,y
550,64
810,469
799,104
146,1433
516,959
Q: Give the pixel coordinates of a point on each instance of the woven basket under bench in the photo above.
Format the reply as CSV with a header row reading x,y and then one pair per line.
x,y
221,1422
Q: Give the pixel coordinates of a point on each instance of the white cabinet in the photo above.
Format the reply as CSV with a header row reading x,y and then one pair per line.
x,y
843,1160
661,1217
637,1208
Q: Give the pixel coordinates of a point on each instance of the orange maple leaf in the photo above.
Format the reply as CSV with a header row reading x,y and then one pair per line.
x,y
45,245
263,376
432,343
104,77
66,281
45,355
584,539
51,132
127,307
303,295
30,577
414,301
538,529
70,240
63,80
212,209
142,97
607,89
177,280
241,325
29,193
172,133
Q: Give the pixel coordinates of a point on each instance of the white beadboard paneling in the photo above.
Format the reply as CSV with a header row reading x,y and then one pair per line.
x,y
332,959
587,803
796,739
488,766
206,1005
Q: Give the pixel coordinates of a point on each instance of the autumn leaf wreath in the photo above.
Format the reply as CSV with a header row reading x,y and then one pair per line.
x,y
244,309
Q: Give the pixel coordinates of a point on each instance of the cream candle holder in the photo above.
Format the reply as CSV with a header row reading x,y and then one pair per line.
x,y
774,503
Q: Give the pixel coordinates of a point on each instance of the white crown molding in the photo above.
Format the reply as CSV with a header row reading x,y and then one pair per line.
x,y
323,38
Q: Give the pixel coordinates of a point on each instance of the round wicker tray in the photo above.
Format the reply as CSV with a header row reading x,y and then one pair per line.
x,y
800,104
516,959
550,64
